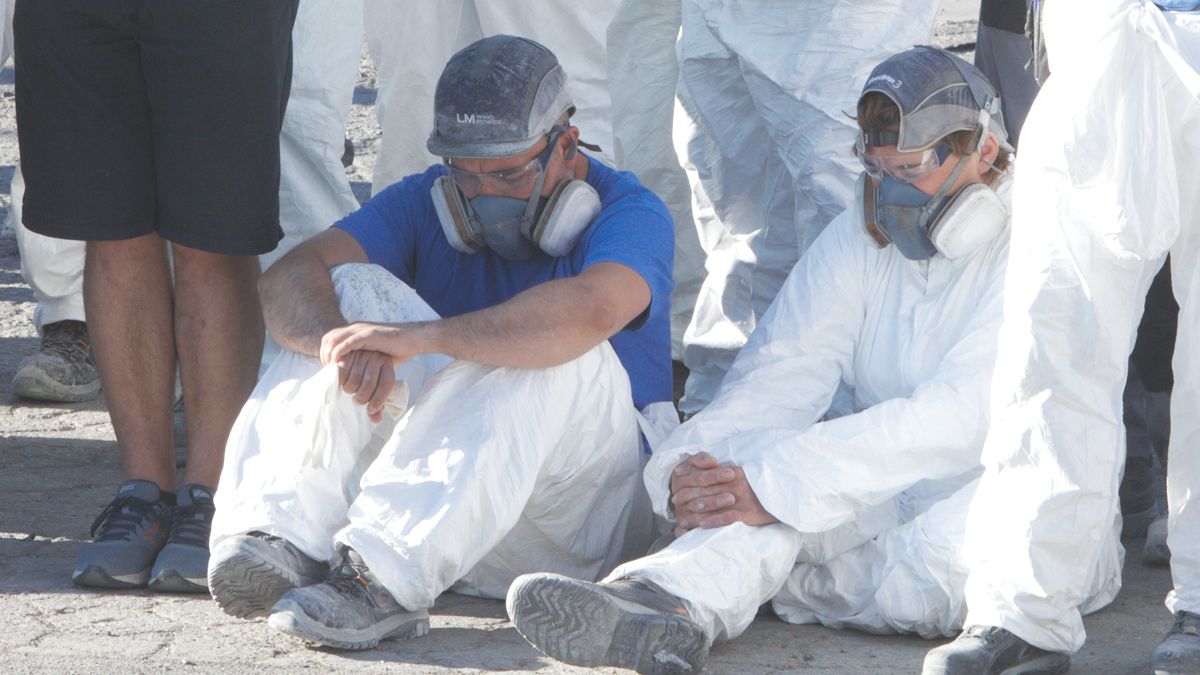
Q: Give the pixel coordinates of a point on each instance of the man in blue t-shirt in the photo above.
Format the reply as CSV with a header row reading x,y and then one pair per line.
x,y
514,309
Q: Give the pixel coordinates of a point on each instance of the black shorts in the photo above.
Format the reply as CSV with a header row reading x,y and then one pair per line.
x,y
140,116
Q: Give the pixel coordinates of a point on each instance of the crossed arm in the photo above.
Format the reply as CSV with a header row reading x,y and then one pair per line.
x,y
546,325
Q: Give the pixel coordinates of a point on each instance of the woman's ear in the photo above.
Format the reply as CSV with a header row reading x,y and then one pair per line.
x,y
990,150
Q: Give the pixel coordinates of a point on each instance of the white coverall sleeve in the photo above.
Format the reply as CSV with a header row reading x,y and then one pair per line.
x,y
813,475
788,372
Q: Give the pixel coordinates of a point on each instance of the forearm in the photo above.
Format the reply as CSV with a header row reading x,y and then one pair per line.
x,y
299,303
547,325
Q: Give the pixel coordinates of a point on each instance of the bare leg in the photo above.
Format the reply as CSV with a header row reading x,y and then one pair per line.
x,y
219,333
127,293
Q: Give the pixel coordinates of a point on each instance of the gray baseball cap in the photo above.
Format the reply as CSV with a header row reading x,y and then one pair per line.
x,y
938,94
497,97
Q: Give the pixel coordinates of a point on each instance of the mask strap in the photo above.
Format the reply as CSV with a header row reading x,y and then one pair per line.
x,y
543,159
936,199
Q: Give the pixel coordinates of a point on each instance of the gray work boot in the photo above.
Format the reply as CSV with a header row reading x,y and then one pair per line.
x,y
128,536
988,650
1156,550
250,572
1179,652
350,610
628,623
182,565
63,370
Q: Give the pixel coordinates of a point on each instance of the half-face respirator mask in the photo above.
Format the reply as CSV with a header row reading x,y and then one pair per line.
x,y
515,228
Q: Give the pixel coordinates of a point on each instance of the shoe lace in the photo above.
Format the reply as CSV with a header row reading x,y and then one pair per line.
x,y
986,633
350,578
192,524
1186,622
68,340
119,521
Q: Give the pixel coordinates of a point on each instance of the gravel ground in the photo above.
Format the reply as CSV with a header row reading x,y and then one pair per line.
x,y
59,465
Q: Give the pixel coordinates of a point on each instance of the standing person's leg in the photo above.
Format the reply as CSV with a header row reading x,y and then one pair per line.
x,y
314,191
217,82
499,471
410,42
81,104
1180,650
1087,239
64,368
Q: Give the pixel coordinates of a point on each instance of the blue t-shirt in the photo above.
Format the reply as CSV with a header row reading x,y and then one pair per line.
x,y
399,230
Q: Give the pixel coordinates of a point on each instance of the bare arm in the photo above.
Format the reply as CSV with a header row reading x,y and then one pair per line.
x,y
547,325
299,305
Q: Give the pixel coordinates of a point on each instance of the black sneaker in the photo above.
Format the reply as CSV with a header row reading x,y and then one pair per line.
x,y
128,536
182,565
1179,652
988,650
628,623
63,370
250,572
350,610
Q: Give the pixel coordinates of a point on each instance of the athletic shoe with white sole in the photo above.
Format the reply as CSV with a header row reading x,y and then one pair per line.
x,y
129,533
350,610
628,623
182,565
250,572
989,650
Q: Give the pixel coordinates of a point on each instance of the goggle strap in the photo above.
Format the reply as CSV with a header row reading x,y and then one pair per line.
x,y
880,137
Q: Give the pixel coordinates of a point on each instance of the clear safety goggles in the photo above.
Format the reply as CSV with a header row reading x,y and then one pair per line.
x,y
906,166
515,181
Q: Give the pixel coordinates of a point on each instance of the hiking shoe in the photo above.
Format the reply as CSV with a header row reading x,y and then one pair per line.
x,y
182,565
988,650
250,572
132,529
1179,652
350,610
629,623
63,370
1156,550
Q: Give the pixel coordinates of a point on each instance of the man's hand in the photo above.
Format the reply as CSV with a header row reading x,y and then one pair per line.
x,y
706,494
368,377
398,341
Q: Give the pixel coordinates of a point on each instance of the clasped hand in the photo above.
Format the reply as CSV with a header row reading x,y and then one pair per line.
x,y
706,494
366,355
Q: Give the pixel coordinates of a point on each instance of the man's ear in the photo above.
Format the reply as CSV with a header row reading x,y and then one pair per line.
x,y
990,150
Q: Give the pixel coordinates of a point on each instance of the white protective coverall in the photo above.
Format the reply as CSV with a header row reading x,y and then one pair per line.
x,y
871,485
313,189
1105,189
766,87
492,472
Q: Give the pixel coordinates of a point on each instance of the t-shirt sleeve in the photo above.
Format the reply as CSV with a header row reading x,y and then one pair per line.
x,y
637,233
387,225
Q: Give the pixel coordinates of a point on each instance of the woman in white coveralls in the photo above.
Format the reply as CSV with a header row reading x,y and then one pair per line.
x,y
832,472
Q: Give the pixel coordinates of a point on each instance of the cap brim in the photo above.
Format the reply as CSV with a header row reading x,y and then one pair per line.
x,y
480,150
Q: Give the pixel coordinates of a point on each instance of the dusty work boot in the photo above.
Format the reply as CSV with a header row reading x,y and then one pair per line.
x,y
628,623
63,370
988,650
128,536
182,565
350,610
1179,652
250,572
1156,550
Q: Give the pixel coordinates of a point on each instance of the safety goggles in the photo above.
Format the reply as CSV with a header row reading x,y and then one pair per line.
x,y
906,166
514,181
